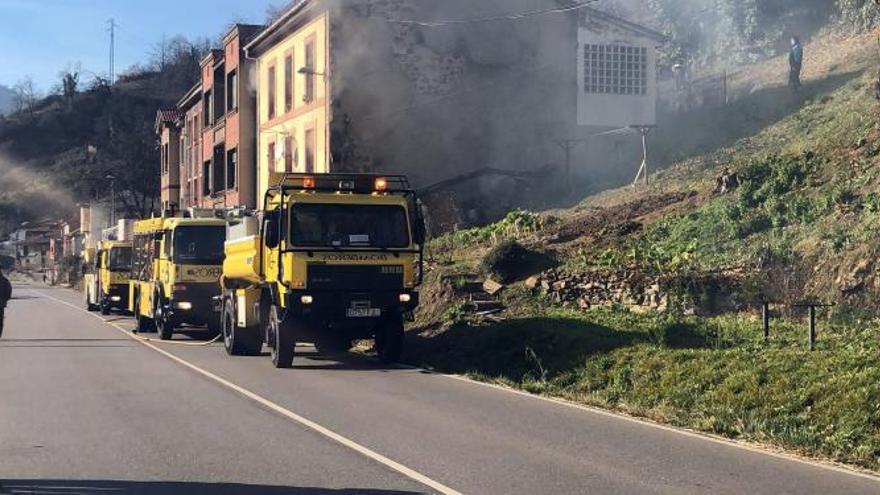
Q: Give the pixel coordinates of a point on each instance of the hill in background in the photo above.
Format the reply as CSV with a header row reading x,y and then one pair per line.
x,y
7,103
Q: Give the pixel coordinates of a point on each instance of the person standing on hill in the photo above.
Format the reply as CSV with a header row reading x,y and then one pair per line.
x,y
5,296
796,63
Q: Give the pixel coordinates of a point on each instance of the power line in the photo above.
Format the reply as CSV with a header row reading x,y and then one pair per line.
x,y
508,17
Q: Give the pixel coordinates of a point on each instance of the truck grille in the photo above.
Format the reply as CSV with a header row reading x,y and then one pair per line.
x,y
355,277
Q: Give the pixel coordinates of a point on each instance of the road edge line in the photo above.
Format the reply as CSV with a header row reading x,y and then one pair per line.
x,y
729,442
302,421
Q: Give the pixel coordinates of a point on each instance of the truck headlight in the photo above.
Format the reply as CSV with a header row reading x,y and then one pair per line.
x,y
186,306
307,300
115,298
405,298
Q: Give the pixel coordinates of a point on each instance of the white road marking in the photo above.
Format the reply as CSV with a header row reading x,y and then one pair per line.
x,y
350,444
757,449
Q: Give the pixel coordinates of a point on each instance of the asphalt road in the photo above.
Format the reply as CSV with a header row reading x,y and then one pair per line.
x,y
86,409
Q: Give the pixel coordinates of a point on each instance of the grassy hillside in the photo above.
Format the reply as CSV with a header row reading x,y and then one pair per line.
x,y
803,226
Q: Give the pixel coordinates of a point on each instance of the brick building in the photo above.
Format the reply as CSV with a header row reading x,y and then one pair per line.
x,y
209,141
228,140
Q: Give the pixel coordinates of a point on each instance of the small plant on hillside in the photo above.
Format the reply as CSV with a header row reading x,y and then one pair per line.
x,y
774,176
508,261
516,225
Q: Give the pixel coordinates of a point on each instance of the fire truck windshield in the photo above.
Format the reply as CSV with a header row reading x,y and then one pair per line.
x,y
120,259
199,245
349,226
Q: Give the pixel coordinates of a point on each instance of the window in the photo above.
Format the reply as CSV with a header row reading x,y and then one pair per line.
x,y
164,159
339,226
615,70
271,157
120,259
198,245
218,177
206,179
310,151
289,166
288,83
232,90
209,108
310,72
219,93
271,99
231,168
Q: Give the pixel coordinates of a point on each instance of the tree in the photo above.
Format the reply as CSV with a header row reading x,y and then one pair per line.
x,y
70,83
26,95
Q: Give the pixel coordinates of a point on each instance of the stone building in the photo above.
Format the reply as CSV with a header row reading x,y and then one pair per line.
x,y
440,89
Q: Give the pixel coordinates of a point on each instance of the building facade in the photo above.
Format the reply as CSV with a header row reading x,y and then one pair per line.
x,y
228,140
352,86
212,139
293,97
168,126
191,148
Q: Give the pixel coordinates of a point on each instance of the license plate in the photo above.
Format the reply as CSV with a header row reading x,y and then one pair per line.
x,y
363,312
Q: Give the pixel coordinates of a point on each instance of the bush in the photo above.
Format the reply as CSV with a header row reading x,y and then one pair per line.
x,y
859,15
508,261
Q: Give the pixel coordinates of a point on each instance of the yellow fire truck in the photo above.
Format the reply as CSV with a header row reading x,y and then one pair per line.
x,y
105,284
175,275
331,258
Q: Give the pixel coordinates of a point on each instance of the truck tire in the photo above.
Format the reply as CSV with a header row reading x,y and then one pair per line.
x,y
239,341
282,339
142,323
105,306
389,340
163,321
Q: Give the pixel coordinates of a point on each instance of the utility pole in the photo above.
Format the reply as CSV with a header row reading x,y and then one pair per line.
x,y
112,23
112,180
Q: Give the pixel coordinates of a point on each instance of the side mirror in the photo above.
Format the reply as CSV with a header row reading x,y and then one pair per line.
x,y
272,234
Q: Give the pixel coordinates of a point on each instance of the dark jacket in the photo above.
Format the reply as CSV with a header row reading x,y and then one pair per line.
x,y
5,291
796,55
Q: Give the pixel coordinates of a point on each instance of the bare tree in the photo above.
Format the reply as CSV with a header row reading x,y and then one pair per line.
x,y
26,95
70,82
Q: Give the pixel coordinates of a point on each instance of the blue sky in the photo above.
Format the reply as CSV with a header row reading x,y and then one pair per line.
x,y
39,38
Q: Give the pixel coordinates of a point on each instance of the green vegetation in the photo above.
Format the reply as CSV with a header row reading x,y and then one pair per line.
x,y
709,374
805,216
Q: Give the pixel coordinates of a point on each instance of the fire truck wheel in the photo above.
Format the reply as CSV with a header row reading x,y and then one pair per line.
x,y
164,325
389,340
143,324
239,341
105,306
282,338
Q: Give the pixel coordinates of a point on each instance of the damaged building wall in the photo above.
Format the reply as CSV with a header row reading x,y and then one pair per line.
x,y
411,92
439,101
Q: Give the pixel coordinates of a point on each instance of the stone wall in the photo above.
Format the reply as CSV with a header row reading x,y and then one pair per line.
x,y
705,294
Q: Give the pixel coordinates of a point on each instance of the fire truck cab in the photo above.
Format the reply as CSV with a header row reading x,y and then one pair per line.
x,y
175,273
105,284
331,258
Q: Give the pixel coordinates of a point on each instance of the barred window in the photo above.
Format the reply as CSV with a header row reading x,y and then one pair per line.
x,y
615,70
